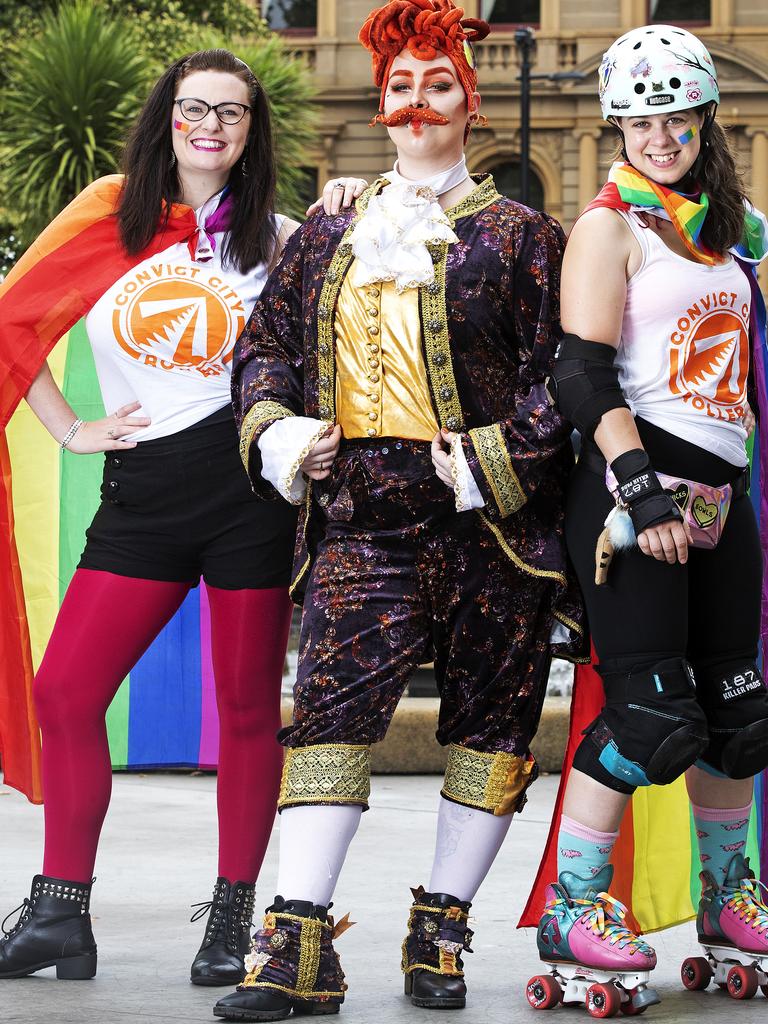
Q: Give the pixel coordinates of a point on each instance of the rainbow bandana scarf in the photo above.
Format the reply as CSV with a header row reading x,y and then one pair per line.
x,y
627,189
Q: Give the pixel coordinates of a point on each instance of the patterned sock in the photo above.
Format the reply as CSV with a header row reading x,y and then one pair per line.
x,y
721,833
582,850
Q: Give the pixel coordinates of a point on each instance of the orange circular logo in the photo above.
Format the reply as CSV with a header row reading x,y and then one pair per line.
x,y
177,323
713,363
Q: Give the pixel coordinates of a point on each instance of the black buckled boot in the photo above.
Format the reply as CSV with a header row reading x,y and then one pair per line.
x,y
437,936
292,966
219,960
53,930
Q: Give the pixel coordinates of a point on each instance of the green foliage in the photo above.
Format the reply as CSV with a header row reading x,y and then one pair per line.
x,y
289,88
71,92
75,85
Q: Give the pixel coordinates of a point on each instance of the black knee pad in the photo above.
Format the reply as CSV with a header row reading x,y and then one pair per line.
x,y
734,699
651,728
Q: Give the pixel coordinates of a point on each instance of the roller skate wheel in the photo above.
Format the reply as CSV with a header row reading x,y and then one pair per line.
x,y
543,992
696,973
603,1000
742,982
629,1009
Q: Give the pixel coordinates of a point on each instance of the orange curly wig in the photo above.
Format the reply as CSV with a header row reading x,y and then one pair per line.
x,y
425,28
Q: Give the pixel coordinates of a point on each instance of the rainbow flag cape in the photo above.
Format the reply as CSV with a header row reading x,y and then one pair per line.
x,y
45,509
657,838
628,189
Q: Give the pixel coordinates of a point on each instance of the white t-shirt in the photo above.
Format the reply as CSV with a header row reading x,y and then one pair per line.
x,y
683,358
165,332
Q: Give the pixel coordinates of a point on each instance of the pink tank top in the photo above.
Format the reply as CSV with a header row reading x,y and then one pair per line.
x,y
683,358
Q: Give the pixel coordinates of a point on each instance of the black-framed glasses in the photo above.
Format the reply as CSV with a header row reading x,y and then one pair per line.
x,y
195,110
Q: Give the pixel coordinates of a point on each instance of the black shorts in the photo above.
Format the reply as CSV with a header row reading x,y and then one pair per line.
x,y
181,507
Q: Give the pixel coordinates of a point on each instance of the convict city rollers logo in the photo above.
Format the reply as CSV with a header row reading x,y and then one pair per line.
x,y
178,318
709,356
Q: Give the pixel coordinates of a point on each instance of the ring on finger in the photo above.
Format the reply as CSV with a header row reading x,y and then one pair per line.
x,y
339,184
111,433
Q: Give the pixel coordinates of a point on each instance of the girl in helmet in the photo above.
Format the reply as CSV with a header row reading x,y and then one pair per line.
x,y
657,296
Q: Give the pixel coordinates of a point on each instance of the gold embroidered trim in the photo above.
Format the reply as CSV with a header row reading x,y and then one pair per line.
x,y
287,482
291,991
302,571
326,308
259,413
309,956
498,469
434,326
566,621
481,196
326,773
551,574
491,782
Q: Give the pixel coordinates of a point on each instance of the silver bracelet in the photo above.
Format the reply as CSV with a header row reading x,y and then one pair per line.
x,y
70,433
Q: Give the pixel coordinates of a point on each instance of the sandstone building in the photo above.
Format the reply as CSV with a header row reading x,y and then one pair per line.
x,y
570,145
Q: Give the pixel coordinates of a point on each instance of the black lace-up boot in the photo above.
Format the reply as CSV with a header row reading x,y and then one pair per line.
x,y
227,934
437,936
53,929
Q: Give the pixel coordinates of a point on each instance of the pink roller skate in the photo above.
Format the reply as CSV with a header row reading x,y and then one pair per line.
x,y
594,957
733,929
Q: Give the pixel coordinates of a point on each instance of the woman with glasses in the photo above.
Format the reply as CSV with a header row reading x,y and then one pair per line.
x,y
165,265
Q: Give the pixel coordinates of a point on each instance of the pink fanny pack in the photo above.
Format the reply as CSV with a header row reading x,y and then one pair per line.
x,y
704,508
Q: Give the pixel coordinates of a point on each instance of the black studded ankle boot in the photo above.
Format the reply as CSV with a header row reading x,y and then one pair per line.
x,y
219,960
53,929
437,936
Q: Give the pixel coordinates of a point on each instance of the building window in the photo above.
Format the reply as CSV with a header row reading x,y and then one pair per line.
x,y
511,12
290,15
506,175
673,12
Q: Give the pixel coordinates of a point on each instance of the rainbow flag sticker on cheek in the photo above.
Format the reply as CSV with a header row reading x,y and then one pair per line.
x,y
181,126
692,132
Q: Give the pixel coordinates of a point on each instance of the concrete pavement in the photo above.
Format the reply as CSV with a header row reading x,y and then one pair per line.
x,y
158,856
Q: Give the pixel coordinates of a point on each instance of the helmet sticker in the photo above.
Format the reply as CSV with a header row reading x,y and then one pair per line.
x,y
659,99
604,73
694,94
641,68
620,104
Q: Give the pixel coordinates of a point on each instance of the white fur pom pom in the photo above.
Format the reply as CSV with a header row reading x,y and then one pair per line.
x,y
620,529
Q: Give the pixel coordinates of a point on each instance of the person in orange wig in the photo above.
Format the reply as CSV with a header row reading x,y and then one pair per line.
x,y
391,382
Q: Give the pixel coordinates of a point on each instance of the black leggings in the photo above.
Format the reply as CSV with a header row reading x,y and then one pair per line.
x,y
708,607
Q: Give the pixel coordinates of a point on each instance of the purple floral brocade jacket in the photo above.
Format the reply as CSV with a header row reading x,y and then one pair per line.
x,y
490,328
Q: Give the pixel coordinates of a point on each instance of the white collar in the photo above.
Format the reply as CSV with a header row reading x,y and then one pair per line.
x,y
391,240
438,183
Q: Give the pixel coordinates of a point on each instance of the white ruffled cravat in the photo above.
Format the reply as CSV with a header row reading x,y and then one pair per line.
x,y
391,238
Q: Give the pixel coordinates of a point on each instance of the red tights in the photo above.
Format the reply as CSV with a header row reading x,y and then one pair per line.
x,y
105,624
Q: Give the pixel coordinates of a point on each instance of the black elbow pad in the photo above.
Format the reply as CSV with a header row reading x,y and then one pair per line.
x,y
584,383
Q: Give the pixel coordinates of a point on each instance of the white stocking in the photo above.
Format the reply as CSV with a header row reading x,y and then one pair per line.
x,y
313,846
467,843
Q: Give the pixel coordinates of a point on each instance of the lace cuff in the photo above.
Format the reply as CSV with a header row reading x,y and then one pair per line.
x,y
283,447
465,488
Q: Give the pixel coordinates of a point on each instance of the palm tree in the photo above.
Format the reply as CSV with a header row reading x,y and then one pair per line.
x,y
71,92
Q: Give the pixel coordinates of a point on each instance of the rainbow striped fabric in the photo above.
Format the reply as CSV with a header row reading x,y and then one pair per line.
x,y
53,496
628,189
656,856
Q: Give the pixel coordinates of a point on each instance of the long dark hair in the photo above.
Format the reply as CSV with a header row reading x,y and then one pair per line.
x,y
719,177
151,182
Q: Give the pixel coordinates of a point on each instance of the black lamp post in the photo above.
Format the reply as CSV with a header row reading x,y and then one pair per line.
x,y
525,41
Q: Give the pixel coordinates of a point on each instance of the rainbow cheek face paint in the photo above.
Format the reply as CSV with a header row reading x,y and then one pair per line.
x,y
181,126
692,132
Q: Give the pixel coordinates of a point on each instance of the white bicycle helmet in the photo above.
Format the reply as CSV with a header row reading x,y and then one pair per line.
x,y
653,69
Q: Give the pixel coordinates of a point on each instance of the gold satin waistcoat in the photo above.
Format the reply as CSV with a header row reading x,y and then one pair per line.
x,y
381,379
